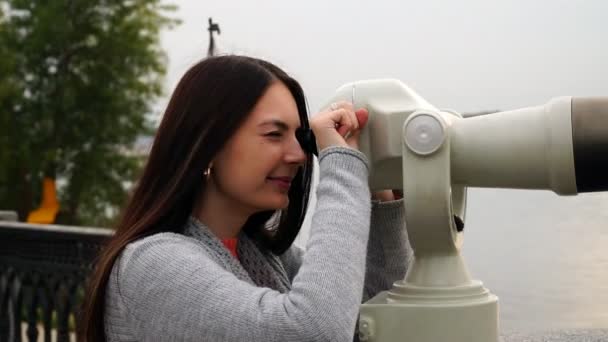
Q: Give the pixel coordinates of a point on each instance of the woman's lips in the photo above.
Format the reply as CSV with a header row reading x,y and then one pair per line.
x,y
282,182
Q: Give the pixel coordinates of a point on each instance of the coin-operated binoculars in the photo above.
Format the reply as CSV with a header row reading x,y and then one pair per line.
x,y
434,156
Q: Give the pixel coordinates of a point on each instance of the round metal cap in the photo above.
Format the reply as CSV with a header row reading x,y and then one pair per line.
x,y
424,134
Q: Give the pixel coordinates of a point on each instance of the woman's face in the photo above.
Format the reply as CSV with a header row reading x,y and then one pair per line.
x,y
255,168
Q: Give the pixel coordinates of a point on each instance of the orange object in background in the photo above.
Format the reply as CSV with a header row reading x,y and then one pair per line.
x,y
47,212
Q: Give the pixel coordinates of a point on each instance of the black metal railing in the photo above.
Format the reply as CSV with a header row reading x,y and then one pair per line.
x,y
42,276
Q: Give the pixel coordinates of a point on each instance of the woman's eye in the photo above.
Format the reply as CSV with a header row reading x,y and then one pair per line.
x,y
274,134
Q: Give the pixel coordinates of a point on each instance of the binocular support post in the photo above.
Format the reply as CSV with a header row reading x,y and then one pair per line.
x,y
437,300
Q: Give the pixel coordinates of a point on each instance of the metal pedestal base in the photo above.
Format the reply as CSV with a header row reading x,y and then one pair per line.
x,y
421,314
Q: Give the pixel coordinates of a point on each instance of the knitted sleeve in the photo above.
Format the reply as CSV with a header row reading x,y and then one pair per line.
x,y
388,249
173,292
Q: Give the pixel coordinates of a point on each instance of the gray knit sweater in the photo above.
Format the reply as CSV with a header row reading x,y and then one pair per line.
x,y
188,287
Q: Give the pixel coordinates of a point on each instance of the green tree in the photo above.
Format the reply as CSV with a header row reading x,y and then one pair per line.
x,y
78,79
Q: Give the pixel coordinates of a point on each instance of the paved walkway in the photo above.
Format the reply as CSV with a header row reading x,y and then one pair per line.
x,y
599,335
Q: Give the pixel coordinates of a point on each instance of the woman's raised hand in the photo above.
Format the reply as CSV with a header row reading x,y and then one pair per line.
x,y
339,125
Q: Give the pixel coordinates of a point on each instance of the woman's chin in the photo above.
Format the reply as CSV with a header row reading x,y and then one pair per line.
x,y
282,205
278,203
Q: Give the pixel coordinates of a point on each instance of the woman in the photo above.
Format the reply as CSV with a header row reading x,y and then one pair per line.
x,y
204,249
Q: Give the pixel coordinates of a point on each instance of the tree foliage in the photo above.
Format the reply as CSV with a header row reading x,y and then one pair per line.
x,y
78,79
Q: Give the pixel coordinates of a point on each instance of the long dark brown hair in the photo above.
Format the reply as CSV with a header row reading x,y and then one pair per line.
x,y
208,105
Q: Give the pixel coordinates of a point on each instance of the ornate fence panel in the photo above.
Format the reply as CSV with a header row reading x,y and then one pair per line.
x,y
42,274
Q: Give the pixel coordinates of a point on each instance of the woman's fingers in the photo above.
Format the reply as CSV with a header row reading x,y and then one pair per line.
x,y
347,119
362,117
338,125
345,124
352,139
341,104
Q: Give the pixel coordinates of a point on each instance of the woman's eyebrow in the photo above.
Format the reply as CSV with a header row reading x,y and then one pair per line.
x,y
277,123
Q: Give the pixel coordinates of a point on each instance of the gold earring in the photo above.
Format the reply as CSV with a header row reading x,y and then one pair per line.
x,y
207,171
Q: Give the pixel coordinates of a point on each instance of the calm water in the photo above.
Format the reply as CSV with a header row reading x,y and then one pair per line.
x,y
545,256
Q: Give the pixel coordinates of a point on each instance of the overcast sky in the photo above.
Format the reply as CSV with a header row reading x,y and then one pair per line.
x,y
464,55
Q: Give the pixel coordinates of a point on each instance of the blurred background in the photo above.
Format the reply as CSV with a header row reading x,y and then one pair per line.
x,y
83,85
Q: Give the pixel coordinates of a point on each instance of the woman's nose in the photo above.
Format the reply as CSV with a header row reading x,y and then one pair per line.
x,y
295,154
